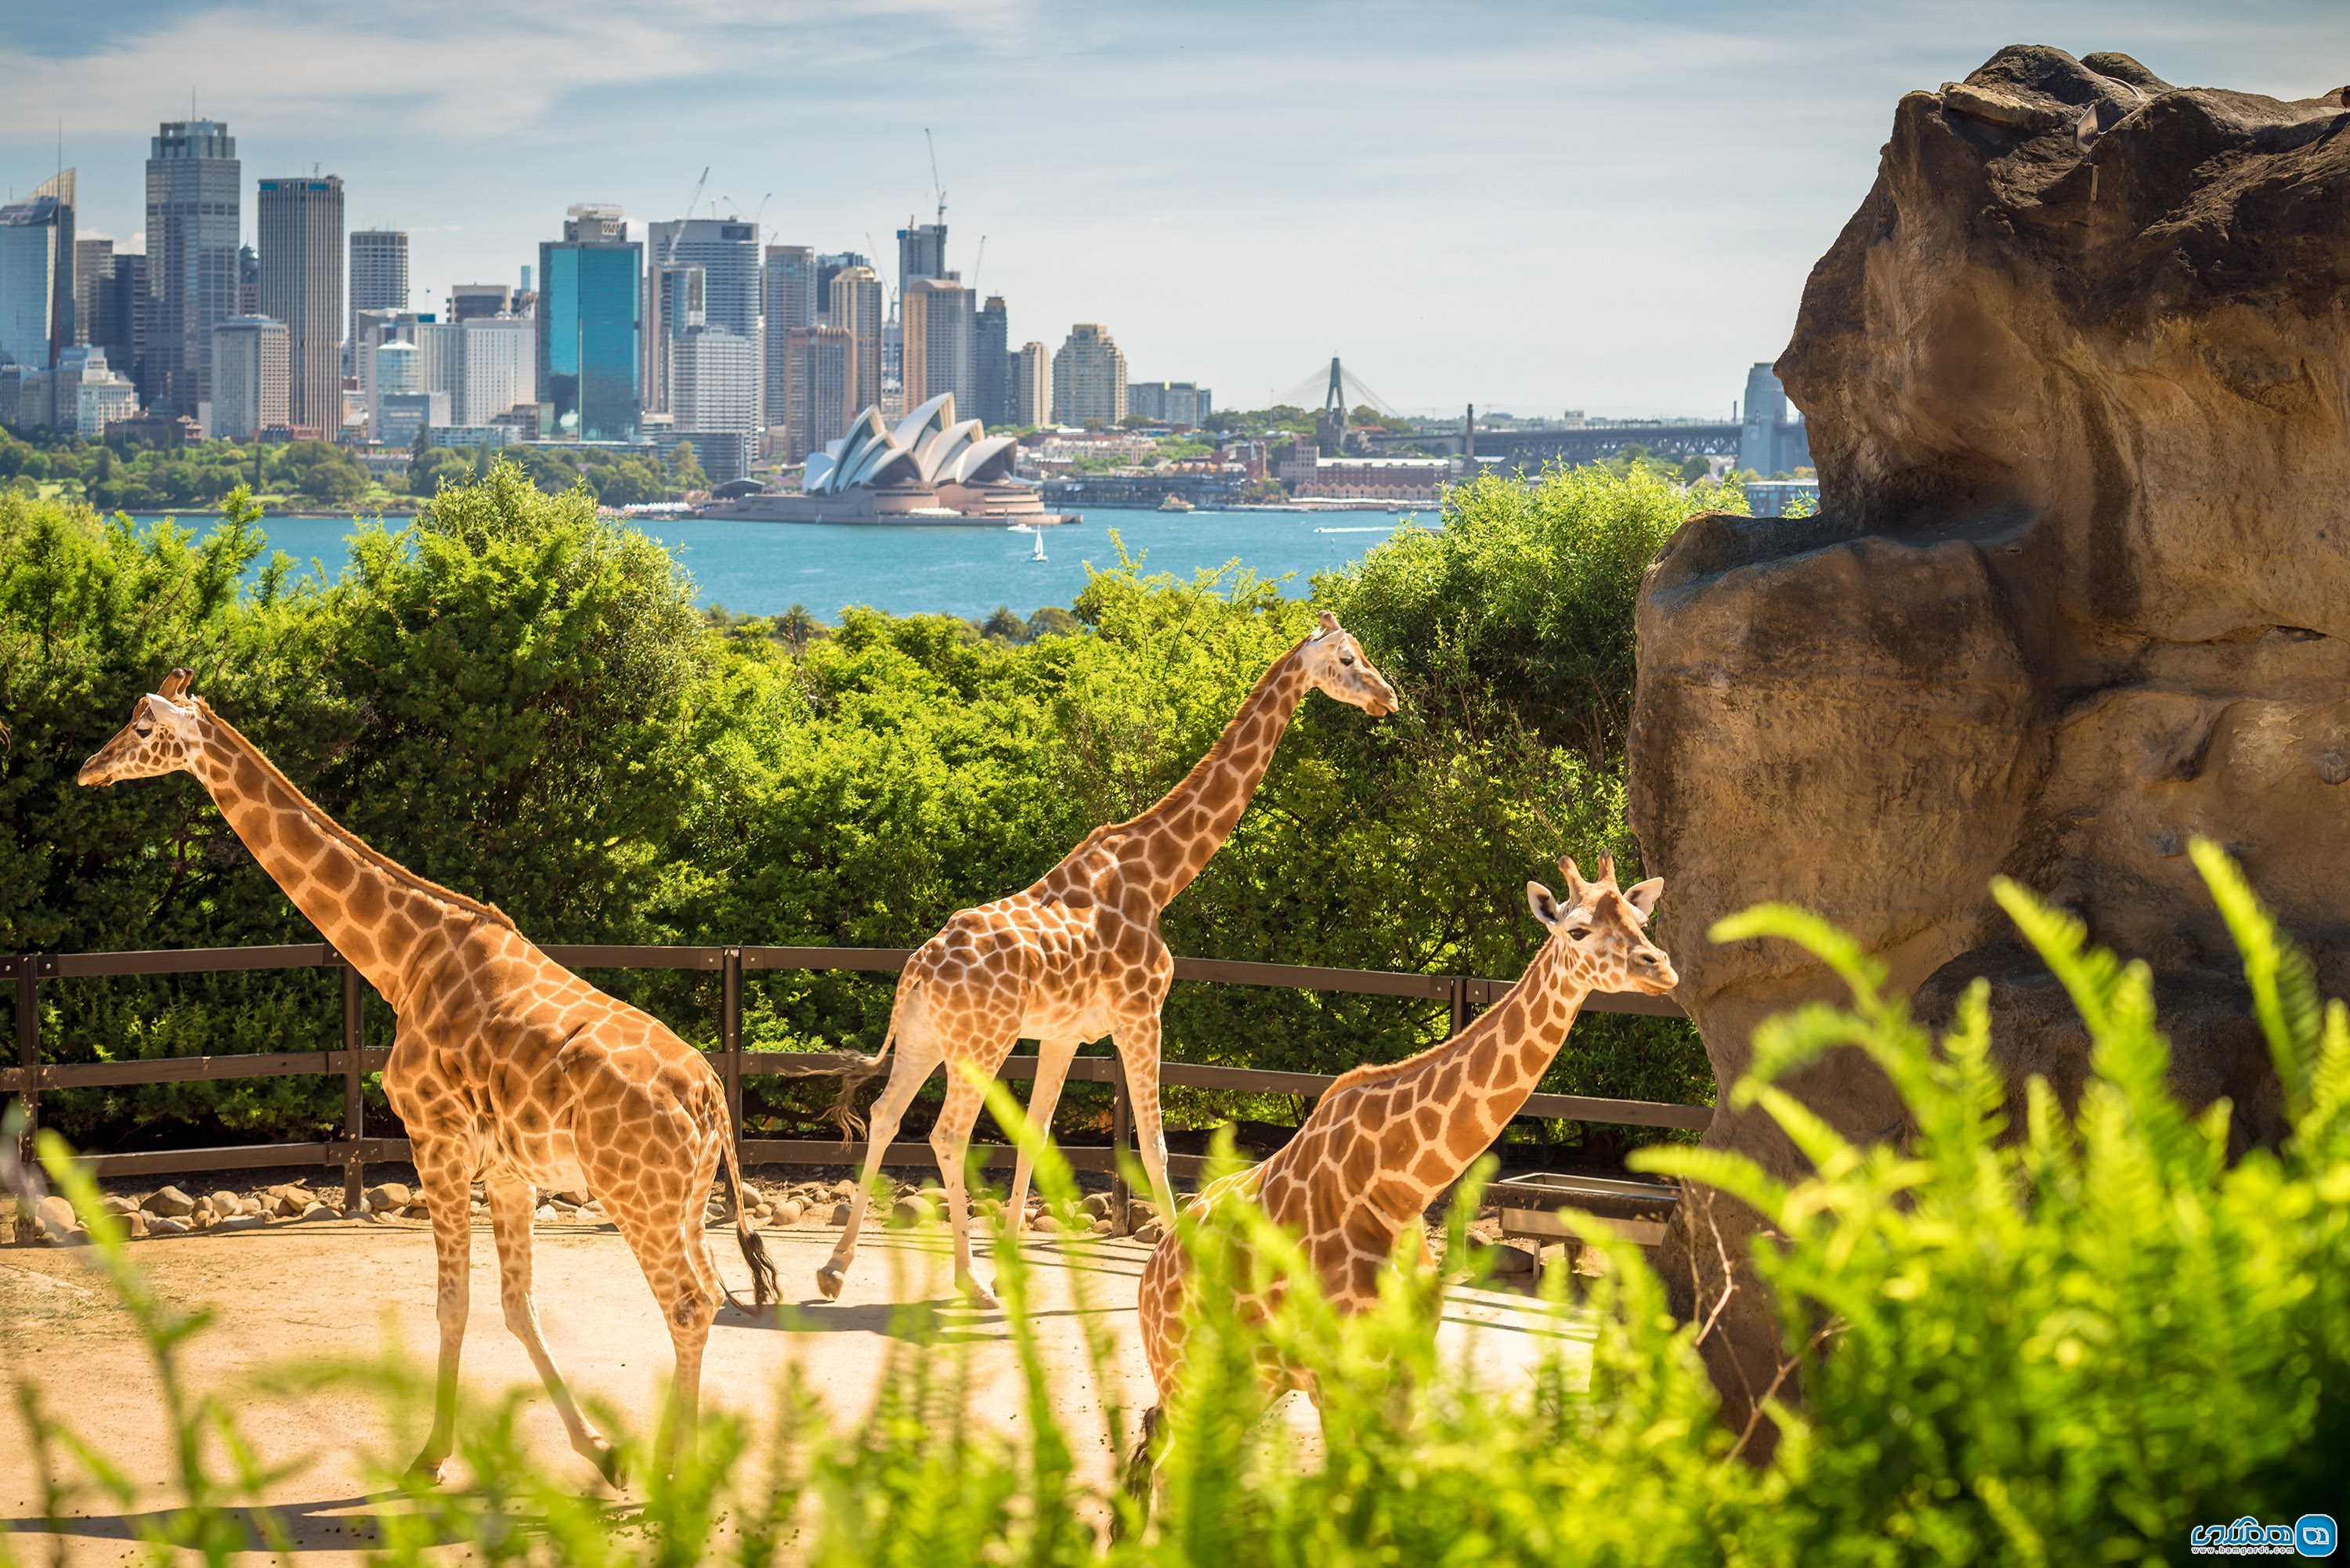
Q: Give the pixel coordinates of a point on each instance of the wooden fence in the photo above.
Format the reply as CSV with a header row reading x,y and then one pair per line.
x,y
354,1149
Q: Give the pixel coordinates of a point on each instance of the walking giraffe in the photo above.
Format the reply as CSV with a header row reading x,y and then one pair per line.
x,y
1383,1141
1077,955
507,1067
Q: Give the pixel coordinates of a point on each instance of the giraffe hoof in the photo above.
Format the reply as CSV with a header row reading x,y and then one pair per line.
x,y
827,1280
607,1461
426,1472
978,1295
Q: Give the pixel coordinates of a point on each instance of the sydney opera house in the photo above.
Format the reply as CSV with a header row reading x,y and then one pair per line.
x,y
932,468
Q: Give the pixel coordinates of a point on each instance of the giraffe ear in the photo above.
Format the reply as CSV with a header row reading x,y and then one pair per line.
x,y
175,685
1643,896
1542,904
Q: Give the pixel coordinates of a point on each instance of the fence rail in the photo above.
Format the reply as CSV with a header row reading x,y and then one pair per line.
x,y
354,1149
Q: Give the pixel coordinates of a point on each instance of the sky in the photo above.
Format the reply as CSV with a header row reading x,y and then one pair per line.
x,y
1584,205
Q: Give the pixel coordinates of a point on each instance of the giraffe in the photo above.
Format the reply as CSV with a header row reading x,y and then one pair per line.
x,y
1383,1141
1077,955
507,1067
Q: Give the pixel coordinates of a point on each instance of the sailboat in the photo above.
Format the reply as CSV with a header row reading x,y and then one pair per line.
x,y
1039,553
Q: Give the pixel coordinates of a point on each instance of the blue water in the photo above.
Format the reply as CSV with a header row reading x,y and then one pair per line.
x,y
762,569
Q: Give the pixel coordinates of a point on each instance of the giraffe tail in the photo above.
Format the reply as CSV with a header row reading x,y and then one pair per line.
x,y
763,1288
1140,1466
860,1070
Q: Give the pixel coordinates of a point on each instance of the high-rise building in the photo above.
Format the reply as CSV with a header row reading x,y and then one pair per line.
x,y
1089,377
252,359
591,292
1031,392
379,277
921,253
820,365
714,394
790,304
248,281
855,293
937,328
676,303
990,364
470,300
828,267
1769,442
101,394
500,357
727,252
93,268
1168,402
301,224
109,301
193,182
36,276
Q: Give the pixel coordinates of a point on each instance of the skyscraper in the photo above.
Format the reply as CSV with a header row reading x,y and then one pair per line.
x,y
36,276
790,304
727,252
93,266
990,364
855,306
820,364
301,224
193,181
1769,442
1032,386
111,301
252,359
938,342
591,286
1089,377
379,275
714,393
921,253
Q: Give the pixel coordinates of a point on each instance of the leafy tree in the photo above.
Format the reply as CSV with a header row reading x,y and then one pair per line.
x,y
685,468
1003,623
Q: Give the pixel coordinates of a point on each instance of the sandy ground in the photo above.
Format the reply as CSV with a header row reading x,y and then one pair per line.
x,y
297,1292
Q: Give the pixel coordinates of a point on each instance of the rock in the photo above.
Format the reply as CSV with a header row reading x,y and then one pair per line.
x,y
1508,1263
169,1202
911,1211
243,1222
788,1212
119,1207
55,1219
1150,1232
575,1196
1098,1205
843,1190
2045,624
165,1225
839,1214
321,1211
387,1195
545,1214
1140,1211
1103,1227
1044,1225
225,1203
134,1224
286,1205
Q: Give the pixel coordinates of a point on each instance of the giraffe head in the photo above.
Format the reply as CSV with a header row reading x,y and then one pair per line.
x,y
1334,662
160,738
1604,927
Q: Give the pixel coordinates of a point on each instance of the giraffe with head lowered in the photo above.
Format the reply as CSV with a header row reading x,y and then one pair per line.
x,y
507,1067
1384,1142
1077,955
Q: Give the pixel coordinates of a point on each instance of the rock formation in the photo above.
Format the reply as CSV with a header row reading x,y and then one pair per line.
x,y
2077,379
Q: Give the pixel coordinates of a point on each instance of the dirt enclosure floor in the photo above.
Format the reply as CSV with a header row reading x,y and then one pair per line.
x,y
346,1288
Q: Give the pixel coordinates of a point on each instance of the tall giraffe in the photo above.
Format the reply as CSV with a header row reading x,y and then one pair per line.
x,y
507,1067
1077,955
1383,1141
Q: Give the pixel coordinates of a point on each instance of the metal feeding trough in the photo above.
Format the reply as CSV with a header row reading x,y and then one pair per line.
x,y
1633,1210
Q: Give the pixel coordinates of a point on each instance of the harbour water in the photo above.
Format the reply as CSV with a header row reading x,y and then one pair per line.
x,y
762,569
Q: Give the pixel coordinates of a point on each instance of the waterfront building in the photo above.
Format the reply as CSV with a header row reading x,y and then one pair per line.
x,y
497,368
936,330
1168,402
820,391
251,360
714,393
93,263
378,278
400,415
1031,392
1312,476
854,295
36,276
1769,440
302,285
790,304
929,468
590,297
674,305
111,301
193,185
1089,377
26,401
990,364
102,395
731,290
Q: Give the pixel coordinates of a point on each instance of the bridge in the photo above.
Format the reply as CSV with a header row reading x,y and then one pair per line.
x,y
1579,443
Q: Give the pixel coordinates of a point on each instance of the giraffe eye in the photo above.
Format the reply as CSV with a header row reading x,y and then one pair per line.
x,y
144,731
1576,933
1346,659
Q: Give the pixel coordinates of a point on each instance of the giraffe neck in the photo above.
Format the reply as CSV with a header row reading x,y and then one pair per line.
x,y
1182,834
384,919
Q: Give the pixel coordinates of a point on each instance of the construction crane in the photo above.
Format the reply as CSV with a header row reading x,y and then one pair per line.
x,y
974,266
679,233
935,186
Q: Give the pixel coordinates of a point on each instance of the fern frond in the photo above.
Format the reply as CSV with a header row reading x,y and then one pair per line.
x,y
2283,983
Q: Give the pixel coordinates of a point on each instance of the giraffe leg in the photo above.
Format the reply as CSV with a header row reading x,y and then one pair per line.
x,y
1052,1059
950,1142
906,1074
512,1203
442,1172
1137,1042
662,1223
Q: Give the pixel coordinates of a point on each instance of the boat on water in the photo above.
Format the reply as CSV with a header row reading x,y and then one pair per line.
x,y
1174,502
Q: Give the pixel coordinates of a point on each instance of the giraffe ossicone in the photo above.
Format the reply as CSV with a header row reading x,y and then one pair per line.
x,y
507,1067
1077,955
1385,1141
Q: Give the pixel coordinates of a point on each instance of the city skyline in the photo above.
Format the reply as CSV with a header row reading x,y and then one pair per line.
x,y
1611,213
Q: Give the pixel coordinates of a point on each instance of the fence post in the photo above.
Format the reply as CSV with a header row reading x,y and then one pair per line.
x,y
28,1056
354,1067
1457,987
729,1041
1122,1138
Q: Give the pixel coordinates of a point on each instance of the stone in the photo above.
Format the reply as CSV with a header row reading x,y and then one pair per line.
x,y
911,1211
227,1203
1098,1204
843,1190
839,1214
387,1195
545,1214
55,1219
2077,591
1150,1232
1508,1263
1044,1224
285,1204
243,1222
321,1211
1103,1227
134,1224
576,1196
788,1212
166,1225
119,1207
1140,1211
169,1202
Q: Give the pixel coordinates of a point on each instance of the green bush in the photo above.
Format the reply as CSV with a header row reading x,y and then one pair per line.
x,y
2071,1341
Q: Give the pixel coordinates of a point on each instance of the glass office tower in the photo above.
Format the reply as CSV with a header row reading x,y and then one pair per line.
x,y
590,285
